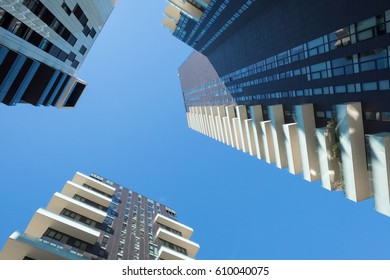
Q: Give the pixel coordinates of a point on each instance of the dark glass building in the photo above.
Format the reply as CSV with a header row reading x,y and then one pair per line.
x,y
94,218
302,84
42,45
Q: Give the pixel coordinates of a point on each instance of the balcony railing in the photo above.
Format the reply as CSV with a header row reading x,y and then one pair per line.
x,y
54,247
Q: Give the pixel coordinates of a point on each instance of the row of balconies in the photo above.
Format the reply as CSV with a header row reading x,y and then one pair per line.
x,y
303,148
87,197
176,8
98,196
176,234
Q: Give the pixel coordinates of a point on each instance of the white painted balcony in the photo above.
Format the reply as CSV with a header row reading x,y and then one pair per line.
x,y
192,248
170,24
165,253
60,201
172,13
81,179
71,189
43,219
185,230
187,8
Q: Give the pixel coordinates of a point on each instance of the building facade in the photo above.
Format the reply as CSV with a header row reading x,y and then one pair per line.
x,y
302,84
42,46
94,218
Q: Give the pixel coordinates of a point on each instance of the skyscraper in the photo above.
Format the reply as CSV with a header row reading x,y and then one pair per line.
x,y
42,46
302,84
95,218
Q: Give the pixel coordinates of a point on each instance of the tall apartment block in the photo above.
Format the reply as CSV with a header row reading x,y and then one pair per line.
x,y
93,218
302,84
42,46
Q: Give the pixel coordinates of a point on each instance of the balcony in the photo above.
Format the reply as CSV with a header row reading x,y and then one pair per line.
x,y
71,189
43,219
186,231
81,179
165,253
60,201
187,8
191,247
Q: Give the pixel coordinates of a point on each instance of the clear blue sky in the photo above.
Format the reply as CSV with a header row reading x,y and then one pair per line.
x,y
130,127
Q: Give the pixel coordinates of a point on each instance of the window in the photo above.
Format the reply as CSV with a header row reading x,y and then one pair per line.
x,y
86,30
92,33
45,45
372,116
34,6
62,56
66,8
72,40
83,50
384,85
369,86
72,56
385,116
79,14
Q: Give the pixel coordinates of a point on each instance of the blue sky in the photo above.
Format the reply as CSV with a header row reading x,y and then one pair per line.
x,y
130,126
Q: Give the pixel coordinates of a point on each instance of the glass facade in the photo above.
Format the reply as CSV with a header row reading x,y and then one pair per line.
x,y
43,33
268,53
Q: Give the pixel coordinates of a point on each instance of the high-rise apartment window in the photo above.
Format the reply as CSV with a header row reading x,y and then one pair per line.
x,y
80,15
65,239
66,8
83,50
92,33
86,30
